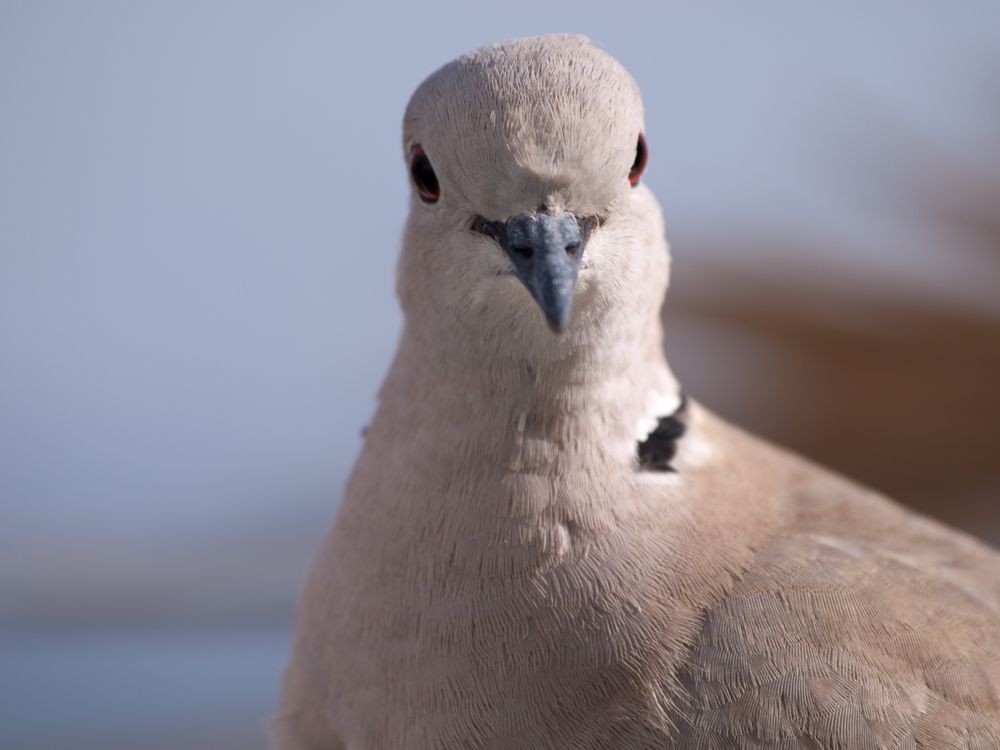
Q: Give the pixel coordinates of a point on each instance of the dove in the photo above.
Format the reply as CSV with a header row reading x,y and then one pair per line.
x,y
546,543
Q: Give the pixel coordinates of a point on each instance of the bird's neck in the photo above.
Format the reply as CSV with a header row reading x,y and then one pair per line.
x,y
592,404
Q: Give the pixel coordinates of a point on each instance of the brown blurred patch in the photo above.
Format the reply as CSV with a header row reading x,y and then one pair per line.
x,y
892,386
903,397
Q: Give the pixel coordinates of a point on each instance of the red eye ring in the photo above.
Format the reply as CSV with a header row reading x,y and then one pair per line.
x,y
424,178
639,165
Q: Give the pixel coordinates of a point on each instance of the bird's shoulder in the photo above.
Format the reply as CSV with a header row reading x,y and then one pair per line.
x,y
855,624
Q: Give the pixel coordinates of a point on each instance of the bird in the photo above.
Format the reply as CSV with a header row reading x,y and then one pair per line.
x,y
546,542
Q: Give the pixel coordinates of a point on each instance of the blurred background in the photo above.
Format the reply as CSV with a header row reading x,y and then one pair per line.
x,y
200,210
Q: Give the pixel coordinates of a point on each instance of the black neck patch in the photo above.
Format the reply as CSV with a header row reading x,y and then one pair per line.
x,y
658,450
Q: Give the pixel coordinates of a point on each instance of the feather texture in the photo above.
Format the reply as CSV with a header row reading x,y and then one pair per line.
x,y
510,567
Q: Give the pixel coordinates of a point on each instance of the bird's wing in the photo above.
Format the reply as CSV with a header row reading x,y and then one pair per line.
x,y
835,637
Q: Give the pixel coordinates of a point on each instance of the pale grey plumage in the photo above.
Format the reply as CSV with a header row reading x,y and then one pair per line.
x,y
501,574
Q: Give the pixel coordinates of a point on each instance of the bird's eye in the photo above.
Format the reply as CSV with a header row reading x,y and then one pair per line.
x,y
423,176
639,165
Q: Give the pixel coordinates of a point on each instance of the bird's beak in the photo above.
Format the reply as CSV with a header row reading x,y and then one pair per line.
x,y
546,250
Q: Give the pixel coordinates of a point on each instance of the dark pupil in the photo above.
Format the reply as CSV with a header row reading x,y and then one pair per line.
x,y
425,179
640,161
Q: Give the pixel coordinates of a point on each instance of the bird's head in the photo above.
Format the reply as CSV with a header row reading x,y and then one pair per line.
x,y
530,229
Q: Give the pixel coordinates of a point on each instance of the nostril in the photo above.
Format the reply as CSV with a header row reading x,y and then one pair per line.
x,y
523,250
571,249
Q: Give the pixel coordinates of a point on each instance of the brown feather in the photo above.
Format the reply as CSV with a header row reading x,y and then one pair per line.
x,y
502,572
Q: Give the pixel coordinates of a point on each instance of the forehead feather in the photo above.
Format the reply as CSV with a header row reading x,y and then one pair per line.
x,y
509,125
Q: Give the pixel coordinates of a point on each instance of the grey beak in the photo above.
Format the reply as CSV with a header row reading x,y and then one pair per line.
x,y
546,250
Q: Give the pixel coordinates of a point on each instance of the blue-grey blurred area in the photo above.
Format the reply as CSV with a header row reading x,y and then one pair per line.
x,y
200,211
